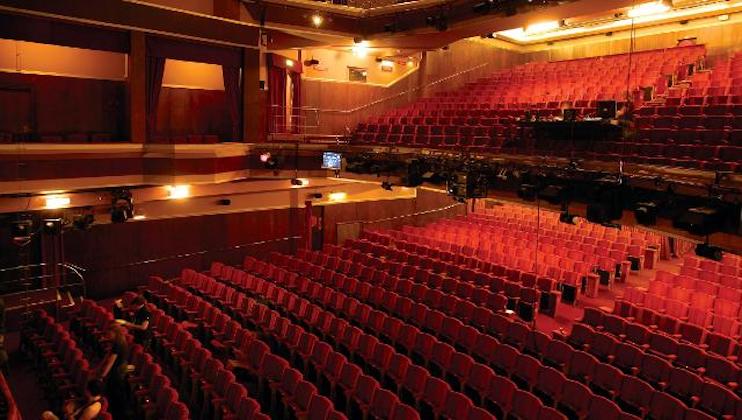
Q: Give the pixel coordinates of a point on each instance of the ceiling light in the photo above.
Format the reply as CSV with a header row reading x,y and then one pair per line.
x,y
289,63
410,63
541,27
648,9
317,20
723,18
176,192
57,202
337,196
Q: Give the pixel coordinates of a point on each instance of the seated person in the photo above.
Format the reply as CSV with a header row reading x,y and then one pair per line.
x,y
138,319
86,408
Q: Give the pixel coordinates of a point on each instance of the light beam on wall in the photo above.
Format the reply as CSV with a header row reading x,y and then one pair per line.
x,y
177,192
541,27
57,202
648,9
337,196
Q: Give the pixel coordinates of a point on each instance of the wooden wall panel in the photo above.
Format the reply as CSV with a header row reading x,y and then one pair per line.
x,y
332,98
376,210
192,111
720,40
64,105
119,257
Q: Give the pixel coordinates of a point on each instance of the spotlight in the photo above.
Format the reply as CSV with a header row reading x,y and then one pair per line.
x,y
387,185
646,213
264,157
289,63
299,182
317,20
315,196
224,202
21,229
122,206
311,62
269,161
52,226
439,22
709,251
84,220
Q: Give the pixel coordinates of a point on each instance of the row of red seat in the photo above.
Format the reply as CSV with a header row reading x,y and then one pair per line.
x,y
154,396
381,361
476,378
654,355
530,374
253,358
61,367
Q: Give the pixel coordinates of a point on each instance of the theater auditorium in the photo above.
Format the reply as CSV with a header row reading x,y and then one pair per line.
x,y
370,209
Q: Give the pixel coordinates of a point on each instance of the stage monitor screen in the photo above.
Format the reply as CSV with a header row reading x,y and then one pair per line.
x,y
332,160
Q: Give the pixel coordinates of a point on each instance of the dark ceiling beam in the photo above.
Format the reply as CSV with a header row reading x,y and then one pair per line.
x,y
131,15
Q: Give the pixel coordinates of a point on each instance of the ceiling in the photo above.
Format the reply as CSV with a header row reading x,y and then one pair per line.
x,y
432,24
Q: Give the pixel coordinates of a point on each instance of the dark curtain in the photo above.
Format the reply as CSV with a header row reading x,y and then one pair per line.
x,y
296,105
277,96
155,70
231,77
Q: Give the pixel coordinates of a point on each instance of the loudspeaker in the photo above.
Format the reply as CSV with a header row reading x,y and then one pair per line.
x,y
607,109
646,213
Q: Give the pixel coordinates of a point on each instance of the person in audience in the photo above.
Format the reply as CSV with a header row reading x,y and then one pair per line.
x,y
113,368
138,321
86,408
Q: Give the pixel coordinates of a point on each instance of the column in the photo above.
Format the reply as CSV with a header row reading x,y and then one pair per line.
x,y
136,88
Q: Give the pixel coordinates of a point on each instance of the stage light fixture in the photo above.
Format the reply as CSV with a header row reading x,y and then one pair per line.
x,y
264,157
289,63
84,220
317,20
21,229
299,182
387,185
360,48
177,192
52,226
122,205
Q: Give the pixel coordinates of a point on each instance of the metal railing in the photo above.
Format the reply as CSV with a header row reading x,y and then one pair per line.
x,y
300,119
353,229
28,289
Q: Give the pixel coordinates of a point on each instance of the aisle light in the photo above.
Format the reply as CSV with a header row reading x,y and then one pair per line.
x,y
648,9
289,63
176,192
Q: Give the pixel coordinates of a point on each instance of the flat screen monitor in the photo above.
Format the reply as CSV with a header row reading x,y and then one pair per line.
x,y
332,160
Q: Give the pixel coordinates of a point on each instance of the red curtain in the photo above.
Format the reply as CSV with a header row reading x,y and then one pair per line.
x,y
296,105
155,70
277,96
231,77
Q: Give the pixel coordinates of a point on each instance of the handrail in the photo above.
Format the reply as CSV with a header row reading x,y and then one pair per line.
x,y
388,219
405,92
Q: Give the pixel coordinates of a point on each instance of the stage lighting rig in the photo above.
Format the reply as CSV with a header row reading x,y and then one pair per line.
x,y
122,205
